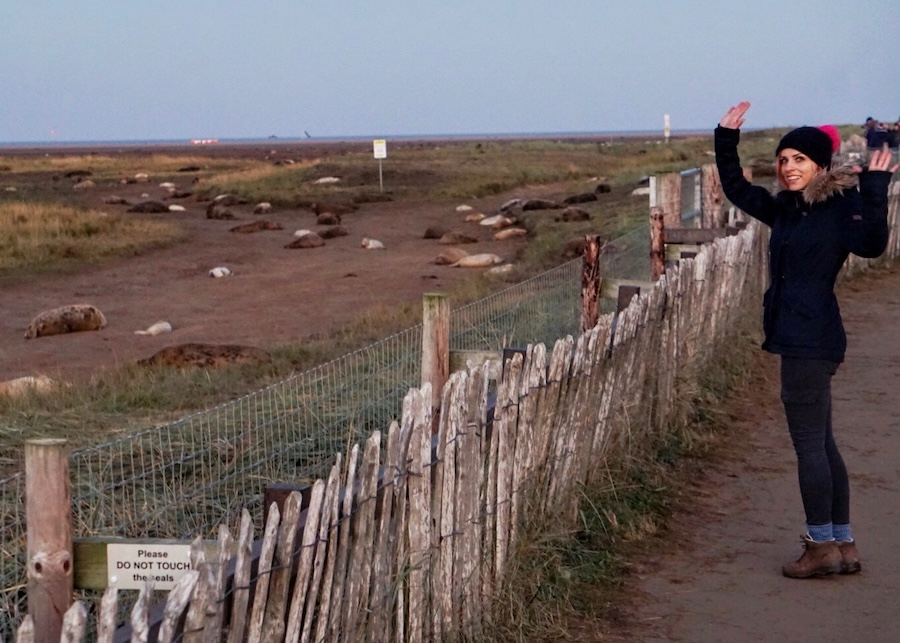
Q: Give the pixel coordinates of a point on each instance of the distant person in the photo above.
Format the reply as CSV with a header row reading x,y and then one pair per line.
x,y
877,136
820,215
894,138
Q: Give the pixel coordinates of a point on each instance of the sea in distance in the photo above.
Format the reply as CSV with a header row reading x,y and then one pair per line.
x,y
58,143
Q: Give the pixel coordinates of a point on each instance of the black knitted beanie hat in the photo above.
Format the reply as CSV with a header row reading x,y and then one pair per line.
x,y
811,141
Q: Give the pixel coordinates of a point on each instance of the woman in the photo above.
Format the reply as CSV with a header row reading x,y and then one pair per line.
x,y
818,218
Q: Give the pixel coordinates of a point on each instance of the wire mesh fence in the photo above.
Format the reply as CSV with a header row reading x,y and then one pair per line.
x,y
182,479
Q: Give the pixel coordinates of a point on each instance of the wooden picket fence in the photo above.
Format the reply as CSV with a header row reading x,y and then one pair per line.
x,y
409,542
409,537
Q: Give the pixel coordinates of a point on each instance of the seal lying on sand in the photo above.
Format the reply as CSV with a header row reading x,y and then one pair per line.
x,y
66,319
256,226
206,355
477,261
449,256
308,240
158,328
510,233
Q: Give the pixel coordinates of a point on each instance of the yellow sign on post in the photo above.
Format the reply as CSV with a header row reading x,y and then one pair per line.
x,y
379,145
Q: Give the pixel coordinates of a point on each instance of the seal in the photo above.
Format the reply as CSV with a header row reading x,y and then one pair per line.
x,y
483,260
510,233
256,226
371,244
66,319
206,355
308,240
158,328
449,256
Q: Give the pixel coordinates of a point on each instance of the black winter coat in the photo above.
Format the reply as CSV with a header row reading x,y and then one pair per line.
x,y
813,232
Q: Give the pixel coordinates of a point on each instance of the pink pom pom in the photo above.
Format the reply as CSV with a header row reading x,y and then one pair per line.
x,y
834,135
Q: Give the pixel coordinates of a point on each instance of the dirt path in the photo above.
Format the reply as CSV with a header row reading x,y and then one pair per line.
x,y
721,580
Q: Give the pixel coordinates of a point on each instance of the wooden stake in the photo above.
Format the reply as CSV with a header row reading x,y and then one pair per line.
x,y
712,208
590,282
657,243
49,527
435,343
668,197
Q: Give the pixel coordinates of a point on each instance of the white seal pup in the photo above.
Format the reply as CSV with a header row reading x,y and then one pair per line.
x,y
220,271
158,328
371,244
497,221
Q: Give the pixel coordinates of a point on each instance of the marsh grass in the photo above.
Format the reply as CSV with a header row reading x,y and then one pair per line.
x,y
40,236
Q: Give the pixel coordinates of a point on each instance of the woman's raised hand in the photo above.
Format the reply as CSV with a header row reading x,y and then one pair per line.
x,y
734,117
880,160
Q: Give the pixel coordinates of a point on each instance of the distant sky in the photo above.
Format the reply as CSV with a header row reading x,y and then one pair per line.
x,y
110,70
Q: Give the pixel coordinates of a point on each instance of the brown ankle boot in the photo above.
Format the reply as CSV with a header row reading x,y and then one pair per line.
x,y
849,557
818,559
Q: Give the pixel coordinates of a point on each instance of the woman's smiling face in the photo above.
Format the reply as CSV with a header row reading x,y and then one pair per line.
x,y
795,169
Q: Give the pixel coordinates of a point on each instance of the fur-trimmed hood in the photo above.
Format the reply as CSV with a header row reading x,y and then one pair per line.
x,y
829,183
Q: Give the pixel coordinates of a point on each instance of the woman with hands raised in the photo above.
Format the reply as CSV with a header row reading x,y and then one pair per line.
x,y
819,216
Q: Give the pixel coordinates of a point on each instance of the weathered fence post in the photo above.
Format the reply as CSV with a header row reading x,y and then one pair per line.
x,y
49,527
657,243
665,192
712,210
590,283
435,344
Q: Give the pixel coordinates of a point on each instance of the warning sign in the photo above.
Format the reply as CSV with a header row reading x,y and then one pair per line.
x,y
130,566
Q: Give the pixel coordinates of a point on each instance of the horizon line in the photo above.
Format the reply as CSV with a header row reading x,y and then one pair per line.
x,y
354,138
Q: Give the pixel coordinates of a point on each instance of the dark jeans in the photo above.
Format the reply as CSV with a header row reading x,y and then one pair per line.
x,y
806,394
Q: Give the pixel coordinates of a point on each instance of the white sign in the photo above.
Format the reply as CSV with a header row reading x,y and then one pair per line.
x,y
130,566
380,147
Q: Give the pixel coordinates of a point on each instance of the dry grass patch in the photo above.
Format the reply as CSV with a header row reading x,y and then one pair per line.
x,y
34,237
